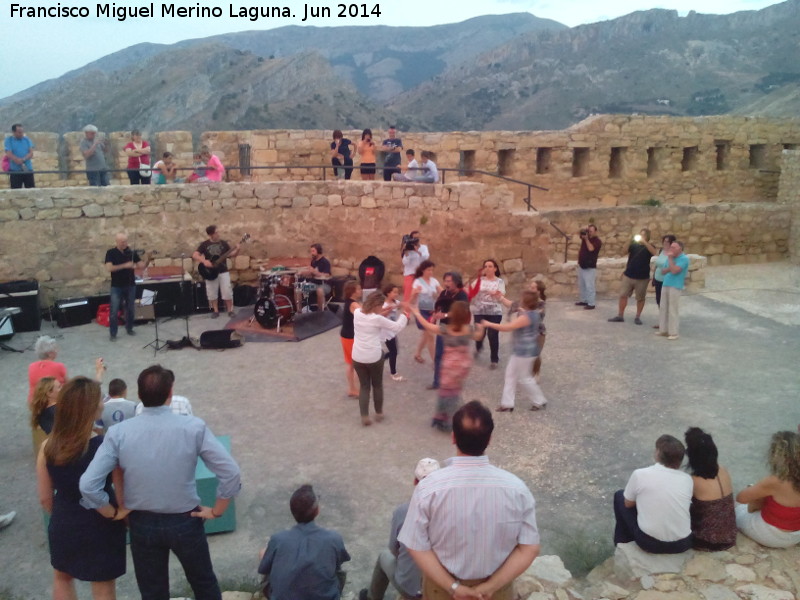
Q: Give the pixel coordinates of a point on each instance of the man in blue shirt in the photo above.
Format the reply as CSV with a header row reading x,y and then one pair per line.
x,y
157,452
19,150
304,562
674,282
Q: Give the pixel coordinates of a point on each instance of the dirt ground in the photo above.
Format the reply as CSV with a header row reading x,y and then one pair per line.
x,y
613,389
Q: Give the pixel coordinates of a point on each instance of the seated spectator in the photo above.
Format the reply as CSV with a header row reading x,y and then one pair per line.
x,y
394,563
425,172
165,170
410,170
43,406
306,560
180,405
214,171
770,509
115,407
713,517
653,510
47,350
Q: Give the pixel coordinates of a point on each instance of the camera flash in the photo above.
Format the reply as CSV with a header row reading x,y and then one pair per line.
x,y
637,238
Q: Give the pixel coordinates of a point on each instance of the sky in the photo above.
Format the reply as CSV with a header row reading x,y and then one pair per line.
x,y
40,48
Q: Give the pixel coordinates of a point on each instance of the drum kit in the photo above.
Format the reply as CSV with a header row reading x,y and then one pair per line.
x,y
281,294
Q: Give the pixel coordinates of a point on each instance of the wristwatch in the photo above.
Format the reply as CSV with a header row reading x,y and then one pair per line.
x,y
454,586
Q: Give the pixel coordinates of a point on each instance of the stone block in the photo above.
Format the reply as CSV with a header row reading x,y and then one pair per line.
x,y
368,202
761,592
112,211
631,562
9,214
704,566
740,572
93,210
549,569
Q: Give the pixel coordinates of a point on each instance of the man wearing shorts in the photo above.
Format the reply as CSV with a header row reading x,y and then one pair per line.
x,y
206,253
319,271
636,276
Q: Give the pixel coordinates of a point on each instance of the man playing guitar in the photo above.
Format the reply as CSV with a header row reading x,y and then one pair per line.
x,y
207,254
319,271
120,262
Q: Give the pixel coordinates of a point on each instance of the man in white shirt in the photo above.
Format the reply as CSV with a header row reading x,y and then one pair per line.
x,y
653,510
471,495
424,172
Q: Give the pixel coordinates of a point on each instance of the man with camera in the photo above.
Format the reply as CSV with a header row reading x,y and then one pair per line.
x,y
587,266
636,276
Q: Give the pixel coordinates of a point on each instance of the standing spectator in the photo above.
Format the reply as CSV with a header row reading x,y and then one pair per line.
x,y
636,275
471,495
394,564
19,151
352,295
94,148
653,510
120,262
769,512
304,562
712,512
138,153
43,407
158,452
366,150
371,328
525,348
453,292
660,263
485,295
411,261
423,294
178,405
85,544
587,266
214,170
674,282
342,155
391,308
392,146
46,349
455,334
421,248
116,408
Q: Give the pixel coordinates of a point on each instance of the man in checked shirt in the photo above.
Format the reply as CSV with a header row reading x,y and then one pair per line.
x,y
471,527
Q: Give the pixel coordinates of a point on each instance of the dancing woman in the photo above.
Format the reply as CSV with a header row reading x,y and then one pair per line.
x,y
352,293
390,310
423,294
486,306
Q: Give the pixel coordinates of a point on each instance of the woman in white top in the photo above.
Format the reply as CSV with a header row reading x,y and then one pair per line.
x,y
424,293
371,328
485,294
411,260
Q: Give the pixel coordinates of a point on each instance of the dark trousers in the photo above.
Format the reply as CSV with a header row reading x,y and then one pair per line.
x,y
627,530
97,178
118,296
389,171
370,375
136,178
437,361
153,535
21,180
658,285
391,346
346,166
493,335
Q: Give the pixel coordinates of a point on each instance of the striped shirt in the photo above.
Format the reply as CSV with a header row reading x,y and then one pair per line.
x,y
472,515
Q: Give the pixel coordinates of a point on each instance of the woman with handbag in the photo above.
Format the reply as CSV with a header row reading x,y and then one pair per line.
x,y
138,153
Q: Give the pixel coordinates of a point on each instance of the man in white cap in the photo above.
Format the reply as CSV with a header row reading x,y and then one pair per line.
x,y
394,563
93,148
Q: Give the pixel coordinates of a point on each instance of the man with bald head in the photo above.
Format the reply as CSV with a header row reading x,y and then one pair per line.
x,y
120,262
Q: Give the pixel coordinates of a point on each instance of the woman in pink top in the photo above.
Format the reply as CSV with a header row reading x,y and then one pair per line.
x,y
47,351
769,512
214,169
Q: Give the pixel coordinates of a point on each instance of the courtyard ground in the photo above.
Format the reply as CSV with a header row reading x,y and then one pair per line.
x,y
613,389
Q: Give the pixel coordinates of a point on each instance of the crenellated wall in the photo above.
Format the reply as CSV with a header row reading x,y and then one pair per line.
x,y
605,160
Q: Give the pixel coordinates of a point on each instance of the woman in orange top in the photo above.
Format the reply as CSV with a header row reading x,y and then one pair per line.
x,y
366,150
47,350
770,509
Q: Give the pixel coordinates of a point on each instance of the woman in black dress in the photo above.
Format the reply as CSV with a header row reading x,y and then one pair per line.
x,y
84,544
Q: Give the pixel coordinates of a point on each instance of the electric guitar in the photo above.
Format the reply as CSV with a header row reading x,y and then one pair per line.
x,y
211,273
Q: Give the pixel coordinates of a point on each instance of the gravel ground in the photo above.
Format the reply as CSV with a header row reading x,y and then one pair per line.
x,y
613,389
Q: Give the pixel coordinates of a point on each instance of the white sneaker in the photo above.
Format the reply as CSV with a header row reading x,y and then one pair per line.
x,y
5,520
397,377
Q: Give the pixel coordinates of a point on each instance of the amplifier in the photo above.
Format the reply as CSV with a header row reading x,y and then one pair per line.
x,y
73,311
25,295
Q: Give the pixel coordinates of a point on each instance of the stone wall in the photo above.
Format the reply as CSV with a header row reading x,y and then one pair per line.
x,y
603,161
789,195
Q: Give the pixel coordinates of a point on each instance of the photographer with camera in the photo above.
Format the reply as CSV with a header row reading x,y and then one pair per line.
x,y
587,266
636,276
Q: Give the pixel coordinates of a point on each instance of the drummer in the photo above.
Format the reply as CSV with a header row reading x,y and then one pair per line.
x,y
319,272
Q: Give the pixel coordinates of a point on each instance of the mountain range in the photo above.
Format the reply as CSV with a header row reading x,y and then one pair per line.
x,y
494,72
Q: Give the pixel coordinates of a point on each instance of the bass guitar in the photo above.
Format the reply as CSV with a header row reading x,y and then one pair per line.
x,y
211,273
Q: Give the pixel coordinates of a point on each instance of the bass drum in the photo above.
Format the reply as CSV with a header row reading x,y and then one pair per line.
x,y
267,311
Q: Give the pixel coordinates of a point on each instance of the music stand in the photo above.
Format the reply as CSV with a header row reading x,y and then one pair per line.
x,y
156,343
5,316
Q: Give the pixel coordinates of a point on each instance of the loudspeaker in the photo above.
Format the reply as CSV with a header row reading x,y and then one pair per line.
x,y
24,294
73,311
200,297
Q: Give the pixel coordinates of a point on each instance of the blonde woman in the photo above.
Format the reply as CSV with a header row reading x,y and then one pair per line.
x,y
43,406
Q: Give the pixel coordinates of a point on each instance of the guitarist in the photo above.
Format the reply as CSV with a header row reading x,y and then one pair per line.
x,y
120,262
206,254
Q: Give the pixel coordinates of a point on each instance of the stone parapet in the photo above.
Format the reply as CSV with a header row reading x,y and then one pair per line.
x,y
789,196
